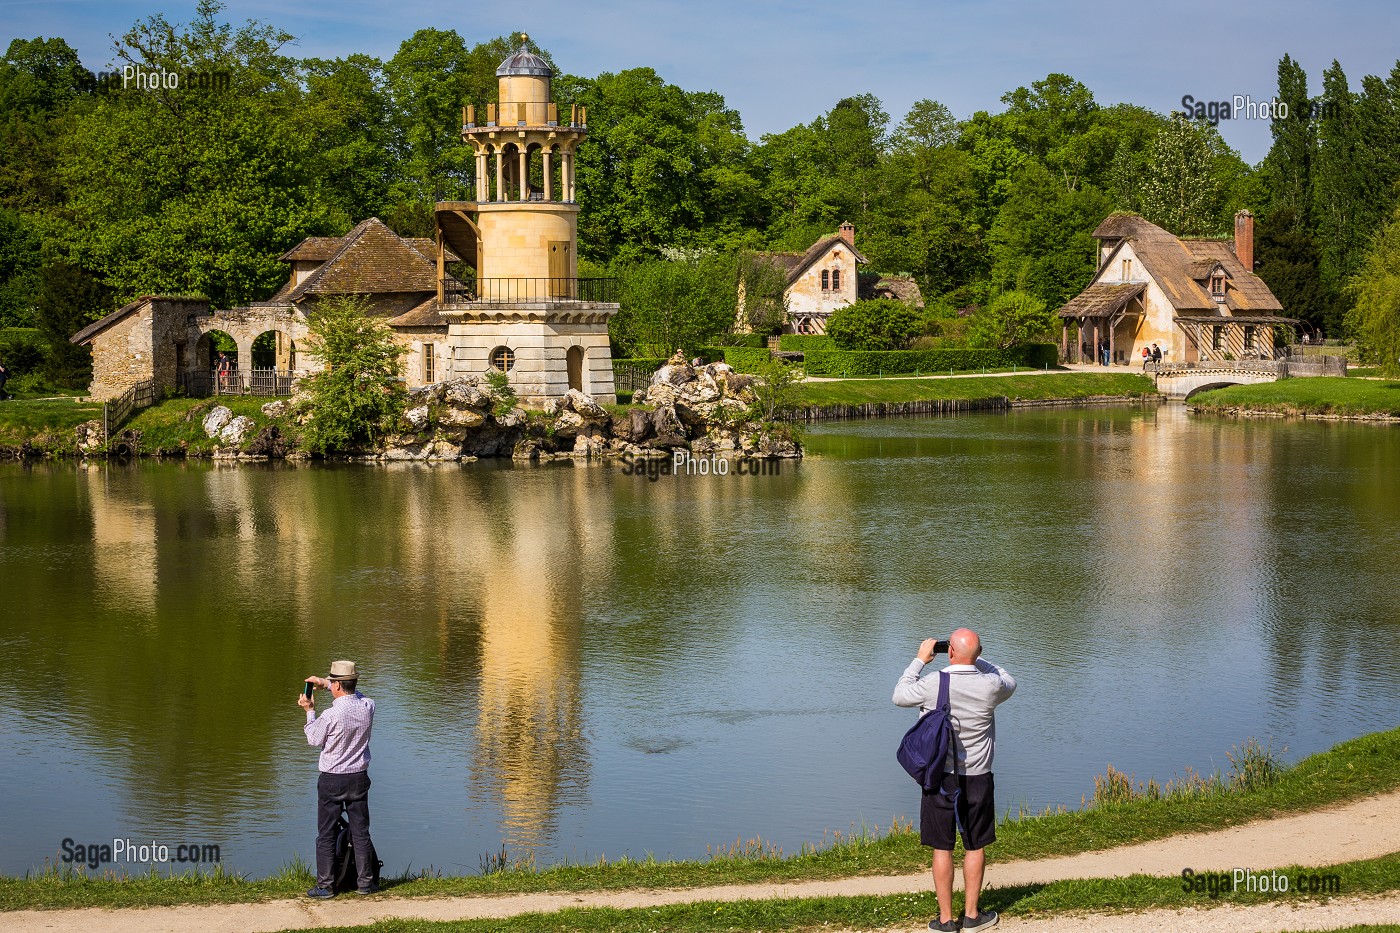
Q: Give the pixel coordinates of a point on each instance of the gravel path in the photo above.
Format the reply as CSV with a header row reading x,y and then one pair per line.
x,y
1361,830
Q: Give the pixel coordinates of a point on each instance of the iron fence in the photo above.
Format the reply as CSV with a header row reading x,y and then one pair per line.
x,y
509,291
262,382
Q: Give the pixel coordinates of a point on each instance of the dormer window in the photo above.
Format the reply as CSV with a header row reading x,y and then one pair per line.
x,y
1217,285
1127,269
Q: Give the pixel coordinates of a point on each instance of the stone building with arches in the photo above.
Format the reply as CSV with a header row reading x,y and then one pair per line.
x,y
495,288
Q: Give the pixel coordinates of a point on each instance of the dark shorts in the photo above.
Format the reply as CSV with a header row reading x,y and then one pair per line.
x,y
965,806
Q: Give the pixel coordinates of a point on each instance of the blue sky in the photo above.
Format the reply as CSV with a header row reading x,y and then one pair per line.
x,y
782,63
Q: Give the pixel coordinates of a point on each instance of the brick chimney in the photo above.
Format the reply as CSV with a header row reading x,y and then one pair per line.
x,y
847,232
1244,239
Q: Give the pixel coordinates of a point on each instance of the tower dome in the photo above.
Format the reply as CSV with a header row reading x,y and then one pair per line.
x,y
524,62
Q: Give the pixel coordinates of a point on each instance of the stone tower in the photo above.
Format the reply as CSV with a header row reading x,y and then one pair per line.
x,y
526,312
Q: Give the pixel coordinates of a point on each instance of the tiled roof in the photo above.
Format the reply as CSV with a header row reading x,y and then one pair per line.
x,y
794,264
423,315
98,326
1102,299
1246,292
901,287
372,259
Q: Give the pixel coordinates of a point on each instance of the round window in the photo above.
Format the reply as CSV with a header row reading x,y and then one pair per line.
x,y
502,358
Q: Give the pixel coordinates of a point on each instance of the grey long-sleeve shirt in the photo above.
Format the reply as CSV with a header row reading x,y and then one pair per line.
x,y
974,692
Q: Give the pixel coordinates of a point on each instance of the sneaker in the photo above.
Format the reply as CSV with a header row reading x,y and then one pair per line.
x,y
321,894
946,926
372,889
984,920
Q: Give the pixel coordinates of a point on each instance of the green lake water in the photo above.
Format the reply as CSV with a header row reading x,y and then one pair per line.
x,y
575,661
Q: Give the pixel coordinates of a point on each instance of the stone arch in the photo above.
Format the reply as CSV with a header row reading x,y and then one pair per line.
x,y
574,360
1218,384
211,343
274,349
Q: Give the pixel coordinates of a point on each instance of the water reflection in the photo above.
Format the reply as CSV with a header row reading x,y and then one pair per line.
x,y
572,660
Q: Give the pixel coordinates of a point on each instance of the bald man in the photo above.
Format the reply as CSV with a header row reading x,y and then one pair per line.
x,y
965,801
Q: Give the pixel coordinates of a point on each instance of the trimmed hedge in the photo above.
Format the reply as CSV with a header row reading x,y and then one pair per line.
x,y
641,362
745,359
805,343
902,362
753,341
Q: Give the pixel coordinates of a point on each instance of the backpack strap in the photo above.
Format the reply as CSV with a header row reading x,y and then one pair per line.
x,y
943,679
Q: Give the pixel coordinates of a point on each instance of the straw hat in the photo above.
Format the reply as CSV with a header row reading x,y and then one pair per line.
x,y
343,670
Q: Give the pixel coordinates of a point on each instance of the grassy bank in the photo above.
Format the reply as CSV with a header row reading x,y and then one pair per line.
x,y
1067,385
1107,895
176,425
45,423
1324,395
1362,767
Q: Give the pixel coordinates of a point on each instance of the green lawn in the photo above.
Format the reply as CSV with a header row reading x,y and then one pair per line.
x,y
1323,395
47,423
1069,385
1361,767
176,425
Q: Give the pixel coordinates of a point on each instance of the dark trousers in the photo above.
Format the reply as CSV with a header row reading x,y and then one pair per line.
x,y
348,792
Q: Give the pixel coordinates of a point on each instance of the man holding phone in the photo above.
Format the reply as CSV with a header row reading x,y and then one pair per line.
x,y
965,801
342,733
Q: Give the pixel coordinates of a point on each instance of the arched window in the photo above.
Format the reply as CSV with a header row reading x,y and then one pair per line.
x,y
836,280
503,358
826,280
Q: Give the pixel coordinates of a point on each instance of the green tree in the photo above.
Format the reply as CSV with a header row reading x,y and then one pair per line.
x,y
775,390
1374,318
1339,186
194,189
1289,262
1010,319
1180,190
358,395
69,297
674,304
874,324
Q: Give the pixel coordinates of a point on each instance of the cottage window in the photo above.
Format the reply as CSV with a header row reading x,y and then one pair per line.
x,y
1217,337
826,281
1217,285
1127,269
836,280
502,358
429,364
1249,338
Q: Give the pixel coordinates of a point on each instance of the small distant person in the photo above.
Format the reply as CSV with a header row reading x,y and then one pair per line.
x,y
965,803
1156,353
1305,340
4,378
1103,351
225,369
1146,357
342,733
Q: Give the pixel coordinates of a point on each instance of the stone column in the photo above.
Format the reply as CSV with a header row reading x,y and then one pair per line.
x,y
548,176
500,176
481,182
524,174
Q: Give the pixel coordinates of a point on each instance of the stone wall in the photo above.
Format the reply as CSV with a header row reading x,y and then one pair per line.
x,y
146,344
540,347
806,297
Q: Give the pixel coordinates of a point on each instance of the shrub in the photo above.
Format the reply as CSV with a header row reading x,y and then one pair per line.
x,y
775,389
1011,319
360,393
746,360
22,350
902,362
802,343
875,324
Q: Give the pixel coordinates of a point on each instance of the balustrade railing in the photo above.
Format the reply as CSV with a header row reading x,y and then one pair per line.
x,y
513,290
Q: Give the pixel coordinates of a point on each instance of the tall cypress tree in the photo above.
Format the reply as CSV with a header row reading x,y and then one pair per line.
x,y
1339,181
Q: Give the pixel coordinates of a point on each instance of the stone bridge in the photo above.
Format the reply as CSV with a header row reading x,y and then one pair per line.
x,y
1180,381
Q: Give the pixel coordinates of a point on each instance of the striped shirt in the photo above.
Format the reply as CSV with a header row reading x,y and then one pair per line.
x,y
342,734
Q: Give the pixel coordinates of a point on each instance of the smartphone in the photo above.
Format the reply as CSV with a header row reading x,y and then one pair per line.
x,y
309,688
940,647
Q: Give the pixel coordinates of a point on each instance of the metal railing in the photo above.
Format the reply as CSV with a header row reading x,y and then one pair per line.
x,y
201,384
116,411
509,291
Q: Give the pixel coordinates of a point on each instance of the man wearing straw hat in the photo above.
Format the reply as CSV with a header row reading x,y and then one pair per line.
x,y
342,734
